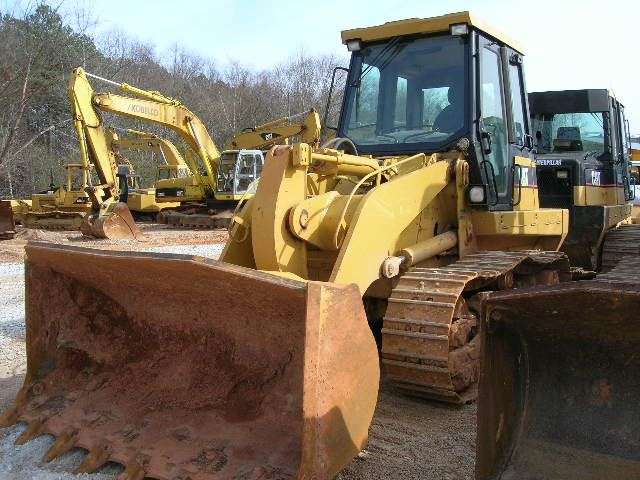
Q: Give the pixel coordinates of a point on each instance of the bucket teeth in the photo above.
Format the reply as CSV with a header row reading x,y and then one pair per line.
x,y
96,458
65,442
9,418
34,430
133,471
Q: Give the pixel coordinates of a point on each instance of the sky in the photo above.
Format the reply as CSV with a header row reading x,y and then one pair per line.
x,y
568,44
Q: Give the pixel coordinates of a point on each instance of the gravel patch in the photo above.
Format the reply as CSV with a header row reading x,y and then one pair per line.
x,y
21,462
209,251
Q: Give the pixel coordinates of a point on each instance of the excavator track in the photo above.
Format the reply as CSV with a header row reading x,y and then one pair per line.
x,y
620,242
54,221
198,220
430,346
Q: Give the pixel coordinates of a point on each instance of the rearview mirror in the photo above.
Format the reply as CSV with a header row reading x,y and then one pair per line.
x,y
329,104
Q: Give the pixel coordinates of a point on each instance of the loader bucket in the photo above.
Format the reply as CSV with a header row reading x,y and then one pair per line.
x,y
116,223
559,383
7,225
181,367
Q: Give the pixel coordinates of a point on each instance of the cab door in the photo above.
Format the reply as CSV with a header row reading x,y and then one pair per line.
x,y
496,160
624,152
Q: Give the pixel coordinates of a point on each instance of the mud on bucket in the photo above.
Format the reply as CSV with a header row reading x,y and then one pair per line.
x,y
181,367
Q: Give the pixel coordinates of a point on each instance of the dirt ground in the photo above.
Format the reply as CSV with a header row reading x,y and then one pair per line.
x,y
409,438
155,236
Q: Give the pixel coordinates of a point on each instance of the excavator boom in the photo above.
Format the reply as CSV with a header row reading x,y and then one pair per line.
x,y
305,125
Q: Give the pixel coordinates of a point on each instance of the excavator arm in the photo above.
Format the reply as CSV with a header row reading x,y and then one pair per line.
x,y
306,125
109,218
149,142
156,108
94,138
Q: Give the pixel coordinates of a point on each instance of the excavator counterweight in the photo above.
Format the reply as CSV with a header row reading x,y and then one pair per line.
x,y
253,382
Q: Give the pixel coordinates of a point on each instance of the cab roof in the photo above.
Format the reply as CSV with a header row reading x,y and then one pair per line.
x,y
414,26
569,101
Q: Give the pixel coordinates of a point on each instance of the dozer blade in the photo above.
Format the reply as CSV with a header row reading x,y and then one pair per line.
x,y
181,367
7,225
116,223
559,384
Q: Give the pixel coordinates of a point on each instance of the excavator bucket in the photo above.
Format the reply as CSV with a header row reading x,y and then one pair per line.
x,y
116,223
182,367
559,382
7,225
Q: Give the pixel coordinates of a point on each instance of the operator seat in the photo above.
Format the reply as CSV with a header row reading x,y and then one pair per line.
x,y
568,140
451,118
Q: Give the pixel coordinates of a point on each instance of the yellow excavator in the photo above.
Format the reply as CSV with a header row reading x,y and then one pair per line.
x,y
426,205
109,217
64,207
201,187
142,201
239,166
94,209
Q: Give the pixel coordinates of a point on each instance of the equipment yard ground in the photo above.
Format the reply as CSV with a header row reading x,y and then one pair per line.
x,y
409,439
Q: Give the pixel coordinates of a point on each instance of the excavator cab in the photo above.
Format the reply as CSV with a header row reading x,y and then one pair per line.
x,y
238,170
583,165
167,172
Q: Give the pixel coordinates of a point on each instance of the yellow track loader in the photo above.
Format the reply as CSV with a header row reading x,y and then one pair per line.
x,y
559,384
431,205
583,165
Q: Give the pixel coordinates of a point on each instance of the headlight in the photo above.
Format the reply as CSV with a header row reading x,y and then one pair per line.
x,y
459,29
562,174
354,45
477,194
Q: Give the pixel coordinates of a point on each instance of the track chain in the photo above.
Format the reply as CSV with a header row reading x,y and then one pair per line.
x,y
427,304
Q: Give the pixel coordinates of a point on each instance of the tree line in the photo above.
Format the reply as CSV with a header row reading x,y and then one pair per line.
x,y
40,47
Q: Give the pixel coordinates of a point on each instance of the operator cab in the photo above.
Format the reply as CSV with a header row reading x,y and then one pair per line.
x,y
238,170
582,141
433,85
170,172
